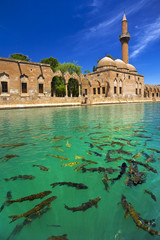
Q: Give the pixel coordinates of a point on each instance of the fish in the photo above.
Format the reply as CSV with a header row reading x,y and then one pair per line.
x,y
57,146
85,206
41,167
57,156
38,136
91,145
67,138
99,147
8,197
99,170
8,157
27,221
70,164
140,223
134,176
150,159
70,184
89,152
124,152
12,145
97,154
81,166
34,210
153,150
123,170
98,126
28,130
95,133
59,137
90,161
60,150
105,181
23,177
106,136
117,143
137,155
31,197
142,164
150,193
62,237
68,144
79,157
94,139
109,159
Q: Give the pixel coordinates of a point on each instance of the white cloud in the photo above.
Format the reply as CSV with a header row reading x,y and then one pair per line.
x,y
151,33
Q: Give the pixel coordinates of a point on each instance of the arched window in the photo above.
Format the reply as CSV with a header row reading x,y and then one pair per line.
x,y
120,87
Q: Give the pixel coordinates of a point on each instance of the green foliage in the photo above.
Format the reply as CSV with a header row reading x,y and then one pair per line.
x,y
52,61
19,56
98,60
73,87
60,90
86,71
70,67
94,68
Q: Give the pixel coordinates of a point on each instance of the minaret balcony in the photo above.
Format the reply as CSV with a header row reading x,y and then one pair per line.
x,y
124,36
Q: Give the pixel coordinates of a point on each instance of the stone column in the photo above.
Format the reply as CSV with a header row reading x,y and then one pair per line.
x,y
79,90
66,90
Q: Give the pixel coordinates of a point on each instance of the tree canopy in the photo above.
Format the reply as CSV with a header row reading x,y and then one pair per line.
x,y
19,56
52,61
70,67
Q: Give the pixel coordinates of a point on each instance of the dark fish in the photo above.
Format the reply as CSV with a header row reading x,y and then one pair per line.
x,y
109,159
8,197
27,221
117,143
81,166
97,154
99,170
150,193
41,167
124,152
85,206
91,145
34,210
57,156
70,184
105,180
142,164
134,176
12,145
123,170
31,197
62,237
7,157
140,223
23,177
153,150
99,147
95,133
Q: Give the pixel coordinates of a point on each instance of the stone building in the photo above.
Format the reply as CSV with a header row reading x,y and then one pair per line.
x,y
115,78
24,82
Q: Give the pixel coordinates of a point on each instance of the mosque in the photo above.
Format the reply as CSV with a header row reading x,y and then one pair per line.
x,y
24,82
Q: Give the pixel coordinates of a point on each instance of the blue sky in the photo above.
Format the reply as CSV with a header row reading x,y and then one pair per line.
x,y
82,31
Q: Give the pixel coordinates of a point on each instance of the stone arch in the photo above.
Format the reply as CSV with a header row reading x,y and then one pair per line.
x,y
58,86
73,87
4,83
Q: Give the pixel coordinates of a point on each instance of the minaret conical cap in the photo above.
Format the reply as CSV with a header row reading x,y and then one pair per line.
x,y
124,17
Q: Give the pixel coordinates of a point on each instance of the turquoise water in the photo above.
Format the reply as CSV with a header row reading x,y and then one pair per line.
x,y
33,134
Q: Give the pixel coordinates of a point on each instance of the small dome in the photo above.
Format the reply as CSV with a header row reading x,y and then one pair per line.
x,y
131,68
120,64
106,61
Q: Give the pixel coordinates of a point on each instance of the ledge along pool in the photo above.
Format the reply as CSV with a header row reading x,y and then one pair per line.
x,y
64,171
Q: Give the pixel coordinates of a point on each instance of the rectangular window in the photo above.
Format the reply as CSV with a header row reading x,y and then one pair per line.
x,y
24,87
98,90
152,94
94,90
128,77
4,87
157,94
120,90
136,91
85,91
139,91
115,90
40,88
117,75
103,90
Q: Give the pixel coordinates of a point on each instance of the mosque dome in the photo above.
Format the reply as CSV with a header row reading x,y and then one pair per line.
x,y
120,64
106,62
131,68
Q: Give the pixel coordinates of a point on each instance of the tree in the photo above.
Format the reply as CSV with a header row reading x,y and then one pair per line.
x,y
52,61
73,89
94,68
86,71
58,87
19,56
70,67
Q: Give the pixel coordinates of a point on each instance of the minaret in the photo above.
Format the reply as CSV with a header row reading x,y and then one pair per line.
x,y
124,38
